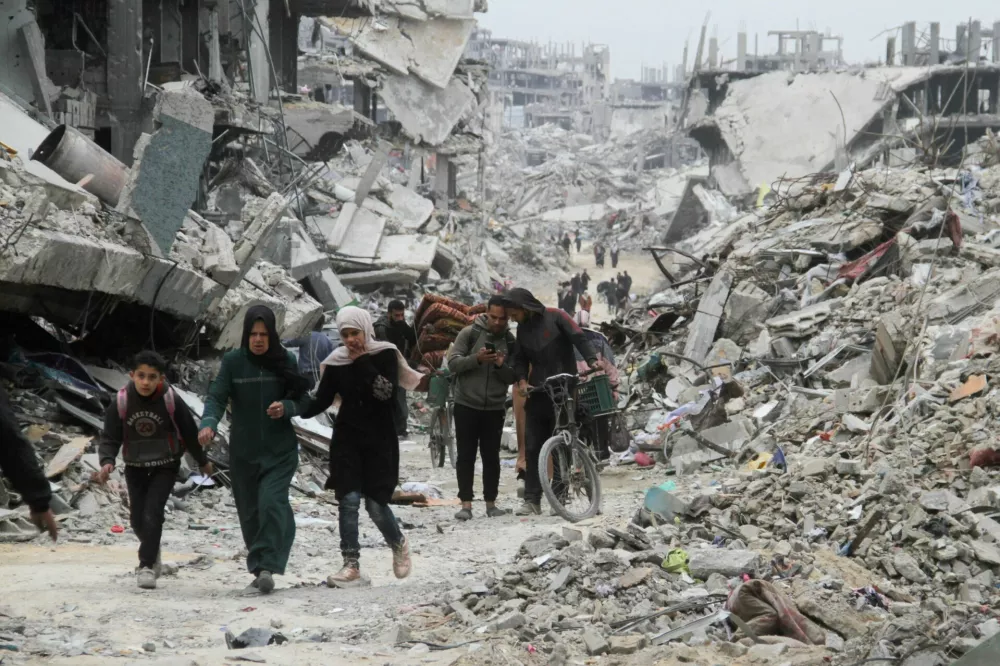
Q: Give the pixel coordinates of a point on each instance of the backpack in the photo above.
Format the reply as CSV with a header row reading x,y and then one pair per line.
x,y
168,399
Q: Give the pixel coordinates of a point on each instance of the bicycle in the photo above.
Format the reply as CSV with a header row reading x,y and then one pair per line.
x,y
573,463
442,431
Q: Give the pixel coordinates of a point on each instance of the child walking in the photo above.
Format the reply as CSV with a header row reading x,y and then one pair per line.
x,y
152,427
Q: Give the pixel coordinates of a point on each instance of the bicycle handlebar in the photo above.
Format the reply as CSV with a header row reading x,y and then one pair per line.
x,y
561,378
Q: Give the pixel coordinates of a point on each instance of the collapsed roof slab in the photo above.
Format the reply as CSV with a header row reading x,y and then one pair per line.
x,y
584,213
426,113
429,50
380,277
361,242
54,259
779,125
414,252
412,209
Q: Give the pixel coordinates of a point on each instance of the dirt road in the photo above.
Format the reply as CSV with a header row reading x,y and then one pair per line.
x,y
646,277
80,604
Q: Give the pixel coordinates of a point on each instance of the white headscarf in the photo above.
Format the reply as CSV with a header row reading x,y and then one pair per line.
x,y
359,320
583,319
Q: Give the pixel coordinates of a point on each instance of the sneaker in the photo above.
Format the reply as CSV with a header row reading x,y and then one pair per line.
x,y
464,514
401,563
348,576
496,512
265,582
529,509
146,579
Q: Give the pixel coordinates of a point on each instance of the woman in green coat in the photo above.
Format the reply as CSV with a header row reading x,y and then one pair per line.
x,y
261,382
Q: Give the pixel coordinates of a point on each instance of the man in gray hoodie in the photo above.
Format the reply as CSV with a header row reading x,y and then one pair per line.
x,y
480,359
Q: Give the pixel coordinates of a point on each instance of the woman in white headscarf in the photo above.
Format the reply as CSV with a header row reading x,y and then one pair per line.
x,y
364,453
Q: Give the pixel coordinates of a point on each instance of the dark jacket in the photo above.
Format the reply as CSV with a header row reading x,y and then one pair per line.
x,y
364,452
401,335
18,461
313,350
477,386
148,437
254,436
545,342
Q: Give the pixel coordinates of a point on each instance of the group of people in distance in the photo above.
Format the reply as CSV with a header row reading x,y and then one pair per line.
x,y
262,386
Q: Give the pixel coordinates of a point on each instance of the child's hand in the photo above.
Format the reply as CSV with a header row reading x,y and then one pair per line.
x,y
101,477
276,410
207,469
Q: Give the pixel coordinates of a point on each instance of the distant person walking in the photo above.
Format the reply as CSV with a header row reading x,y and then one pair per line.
x,y
614,255
313,348
565,243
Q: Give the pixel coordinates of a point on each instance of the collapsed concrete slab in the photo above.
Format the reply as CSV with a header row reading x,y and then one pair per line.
x,y
380,277
79,264
218,257
361,241
329,289
164,180
429,50
768,122
411,251
263,222
291,248
295,317
426,113
411,209
582,213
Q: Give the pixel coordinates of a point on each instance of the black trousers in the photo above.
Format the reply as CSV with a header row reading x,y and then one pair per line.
x,y
478,430
539,423
148,491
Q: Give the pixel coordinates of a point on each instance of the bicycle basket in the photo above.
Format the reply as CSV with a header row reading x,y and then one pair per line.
x,y
438,390
595,396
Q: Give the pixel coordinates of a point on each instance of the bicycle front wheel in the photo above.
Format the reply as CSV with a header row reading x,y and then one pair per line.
x,y
569,478
436,439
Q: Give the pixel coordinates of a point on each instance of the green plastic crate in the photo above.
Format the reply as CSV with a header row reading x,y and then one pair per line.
x,y
596,396
438,390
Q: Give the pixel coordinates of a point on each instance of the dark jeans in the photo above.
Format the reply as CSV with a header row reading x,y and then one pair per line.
x,y
478,430
381,515
400,411
539,423
148,491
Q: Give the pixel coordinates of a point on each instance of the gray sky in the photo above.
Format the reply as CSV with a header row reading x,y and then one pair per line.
x,y
653,31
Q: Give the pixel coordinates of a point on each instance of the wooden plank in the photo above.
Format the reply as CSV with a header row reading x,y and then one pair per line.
x,y
701,333
67,455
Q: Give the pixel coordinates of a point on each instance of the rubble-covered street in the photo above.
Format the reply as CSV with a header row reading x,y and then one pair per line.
x,y
804,308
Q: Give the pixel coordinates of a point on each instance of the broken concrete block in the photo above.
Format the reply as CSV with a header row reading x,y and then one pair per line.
x,y
729,563
859,400
745,309
410,208
335,238
594,642
165,175
956,304
259,230
627,644
330,291
413,252
701,333
509,621
890,344
688,453
802,323
361,242
379,277
722,358
849,467
986,552
908,568
218,257
290,247
762,652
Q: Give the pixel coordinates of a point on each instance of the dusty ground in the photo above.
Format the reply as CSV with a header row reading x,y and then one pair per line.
x,y
646,277
81,605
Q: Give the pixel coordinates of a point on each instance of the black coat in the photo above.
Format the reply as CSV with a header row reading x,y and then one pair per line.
x,y
364,453
19,463
545,342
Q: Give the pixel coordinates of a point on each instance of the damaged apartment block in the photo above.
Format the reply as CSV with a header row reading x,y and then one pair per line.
x,y
183,160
